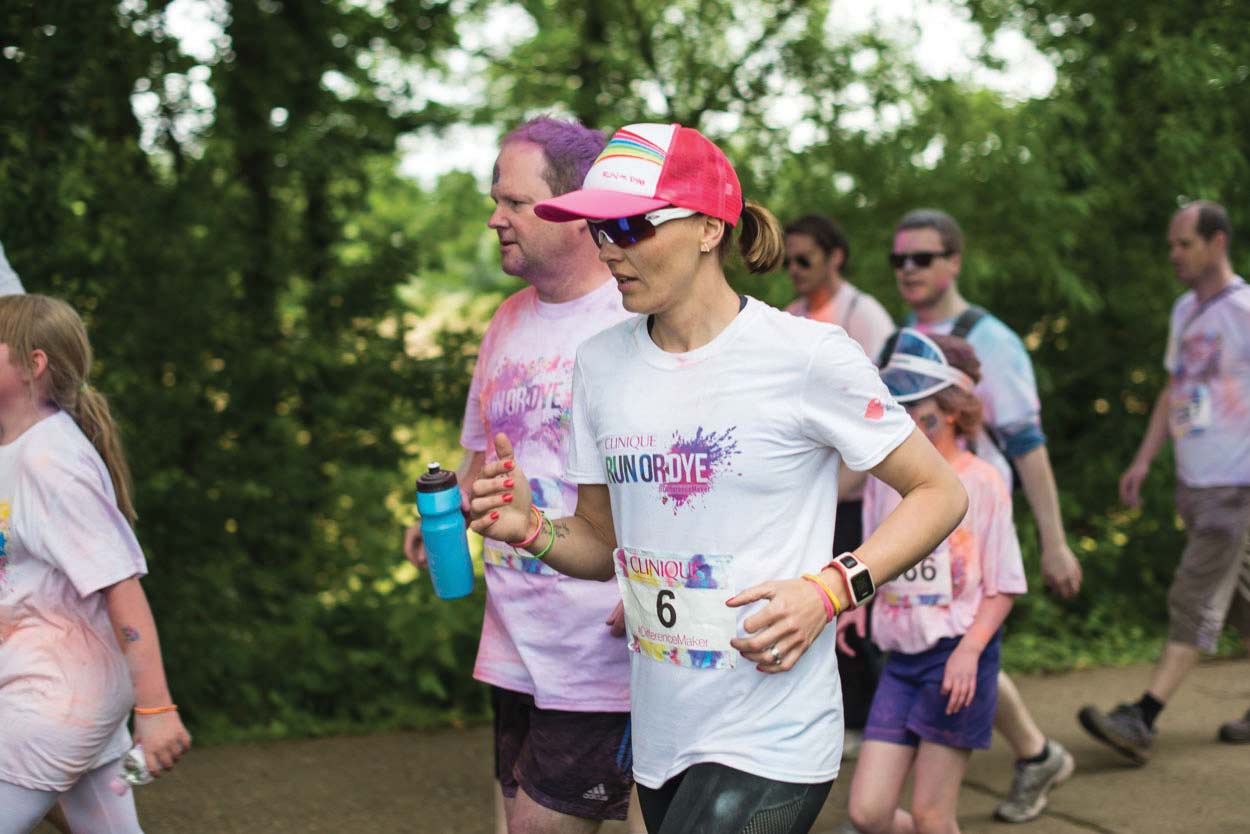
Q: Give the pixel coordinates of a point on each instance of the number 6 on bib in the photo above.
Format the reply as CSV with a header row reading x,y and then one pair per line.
x,y
675,606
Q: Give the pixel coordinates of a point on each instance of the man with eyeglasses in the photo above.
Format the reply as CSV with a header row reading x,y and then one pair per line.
x,y
551,648
1205,408
927,256
818,254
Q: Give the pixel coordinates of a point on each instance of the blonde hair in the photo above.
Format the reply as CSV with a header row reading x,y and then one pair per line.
x,y
761,241
38,322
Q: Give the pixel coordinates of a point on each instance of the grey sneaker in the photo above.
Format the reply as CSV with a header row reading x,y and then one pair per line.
x,y
1033,782
1236,732
1123,729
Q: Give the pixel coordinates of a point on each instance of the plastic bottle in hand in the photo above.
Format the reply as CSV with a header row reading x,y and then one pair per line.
x,y
442,528
134,771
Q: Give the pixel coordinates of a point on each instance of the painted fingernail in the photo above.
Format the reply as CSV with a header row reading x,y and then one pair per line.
x,y
507,498
507,465
508,483
494,516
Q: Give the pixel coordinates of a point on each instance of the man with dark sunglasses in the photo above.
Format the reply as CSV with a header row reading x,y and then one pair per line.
x,y
926,256
817,256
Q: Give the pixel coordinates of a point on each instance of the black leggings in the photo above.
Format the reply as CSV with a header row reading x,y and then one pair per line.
x,y
714,799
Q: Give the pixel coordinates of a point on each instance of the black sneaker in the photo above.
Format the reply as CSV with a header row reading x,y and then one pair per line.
x,y
1124,730
1236,732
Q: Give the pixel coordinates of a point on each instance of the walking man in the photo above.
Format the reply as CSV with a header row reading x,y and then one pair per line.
x,y
927,257
558,671
1206,409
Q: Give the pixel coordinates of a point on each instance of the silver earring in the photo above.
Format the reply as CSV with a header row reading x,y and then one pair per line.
x,y
705,249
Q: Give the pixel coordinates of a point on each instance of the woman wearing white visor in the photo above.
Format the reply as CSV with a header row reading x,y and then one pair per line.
x,y
706,437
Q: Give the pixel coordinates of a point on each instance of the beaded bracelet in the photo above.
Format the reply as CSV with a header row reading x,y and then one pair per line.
x,y
538,516
155,710
834,608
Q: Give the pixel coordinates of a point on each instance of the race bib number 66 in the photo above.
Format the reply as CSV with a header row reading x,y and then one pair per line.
x,y
675,606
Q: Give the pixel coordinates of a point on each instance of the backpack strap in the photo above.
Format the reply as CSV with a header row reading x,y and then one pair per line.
x,y
967,320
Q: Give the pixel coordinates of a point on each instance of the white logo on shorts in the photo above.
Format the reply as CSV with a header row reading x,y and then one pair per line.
x,y
598,792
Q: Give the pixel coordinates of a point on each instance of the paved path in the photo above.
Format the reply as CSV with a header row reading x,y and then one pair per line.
x,y
437,783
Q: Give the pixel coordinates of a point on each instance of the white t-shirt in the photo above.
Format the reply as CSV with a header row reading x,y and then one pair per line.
x,y
722,464
65,690
10,284
1208,357
543,633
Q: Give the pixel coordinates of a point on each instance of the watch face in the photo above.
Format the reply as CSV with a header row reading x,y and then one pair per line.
x,y
861,585
848,561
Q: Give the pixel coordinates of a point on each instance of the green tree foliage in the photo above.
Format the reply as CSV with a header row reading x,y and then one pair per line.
x,y
239,281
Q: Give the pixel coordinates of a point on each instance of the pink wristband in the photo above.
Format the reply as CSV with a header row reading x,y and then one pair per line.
x,y
538,515
824,598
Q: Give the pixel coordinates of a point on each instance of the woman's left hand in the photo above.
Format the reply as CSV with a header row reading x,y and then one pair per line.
x,y
782,631
960,679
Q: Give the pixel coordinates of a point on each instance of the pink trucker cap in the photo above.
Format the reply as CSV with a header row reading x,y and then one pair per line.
x,y
649,166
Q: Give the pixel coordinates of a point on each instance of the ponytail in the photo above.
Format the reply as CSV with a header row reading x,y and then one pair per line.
x,y
38,322
761,242
91,413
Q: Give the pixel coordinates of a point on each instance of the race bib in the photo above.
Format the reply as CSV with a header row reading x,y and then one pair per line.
x,y
925,584
675,607
1191,413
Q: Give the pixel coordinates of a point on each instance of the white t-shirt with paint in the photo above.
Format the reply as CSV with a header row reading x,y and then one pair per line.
x,y
1208,357
65,690
722,464
940,596
855,311
543,633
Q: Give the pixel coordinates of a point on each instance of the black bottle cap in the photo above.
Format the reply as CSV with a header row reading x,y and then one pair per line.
x,y
436,479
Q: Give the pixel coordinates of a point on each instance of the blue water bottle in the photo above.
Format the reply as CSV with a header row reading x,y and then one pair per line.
x,y
442,527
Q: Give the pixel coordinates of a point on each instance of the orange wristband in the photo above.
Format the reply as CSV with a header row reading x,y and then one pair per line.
x,y
155,710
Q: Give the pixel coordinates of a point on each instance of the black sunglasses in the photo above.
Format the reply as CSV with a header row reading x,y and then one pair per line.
x,y
898,260
803,261
626,231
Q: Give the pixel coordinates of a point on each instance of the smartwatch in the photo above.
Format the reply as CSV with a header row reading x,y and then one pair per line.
x,y
858,579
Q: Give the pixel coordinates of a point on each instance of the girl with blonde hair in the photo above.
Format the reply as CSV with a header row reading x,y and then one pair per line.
x,y
78,647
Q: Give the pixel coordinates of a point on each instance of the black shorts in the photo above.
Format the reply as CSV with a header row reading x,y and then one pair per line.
x,y
576,763
716,798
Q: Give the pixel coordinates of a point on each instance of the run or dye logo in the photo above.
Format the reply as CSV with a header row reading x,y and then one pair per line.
x,y
4,544
686,469
530,402
675,606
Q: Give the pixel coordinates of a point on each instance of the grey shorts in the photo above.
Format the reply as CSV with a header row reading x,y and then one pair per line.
x,y
1212,582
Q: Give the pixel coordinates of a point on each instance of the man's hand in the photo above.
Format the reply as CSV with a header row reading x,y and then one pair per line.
x,y
1061,571
1131,482
616,620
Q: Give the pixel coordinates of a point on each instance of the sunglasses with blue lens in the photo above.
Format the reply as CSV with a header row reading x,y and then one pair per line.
x,y
626,231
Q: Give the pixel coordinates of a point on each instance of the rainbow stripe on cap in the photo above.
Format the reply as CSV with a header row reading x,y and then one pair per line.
x,y
629,145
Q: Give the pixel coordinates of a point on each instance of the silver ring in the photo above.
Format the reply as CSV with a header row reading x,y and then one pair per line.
x,y
776,655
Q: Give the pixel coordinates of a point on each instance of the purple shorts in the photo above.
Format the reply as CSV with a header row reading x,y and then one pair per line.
x,y
580,764
909,705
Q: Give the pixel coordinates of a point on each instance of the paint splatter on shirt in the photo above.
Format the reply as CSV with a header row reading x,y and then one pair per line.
x,y
543,634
